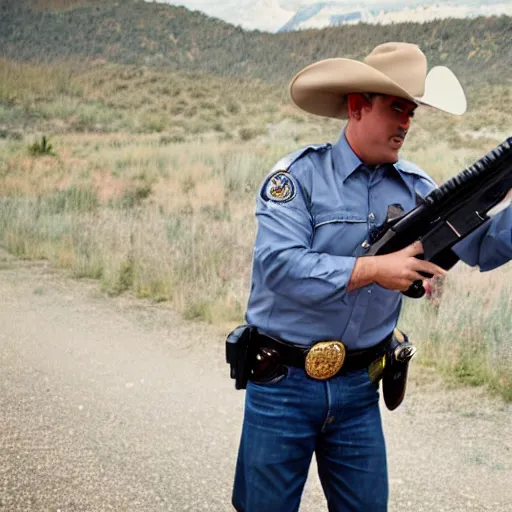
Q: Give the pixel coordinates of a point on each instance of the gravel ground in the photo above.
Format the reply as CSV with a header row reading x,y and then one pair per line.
x,y
118,404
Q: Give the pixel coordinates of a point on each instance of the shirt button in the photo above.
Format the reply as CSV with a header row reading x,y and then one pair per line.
x,y
371,216
369,291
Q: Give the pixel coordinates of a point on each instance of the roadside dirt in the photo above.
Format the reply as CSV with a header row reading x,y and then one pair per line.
x,y
119,404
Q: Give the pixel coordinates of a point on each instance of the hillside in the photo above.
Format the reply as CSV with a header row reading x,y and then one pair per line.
x,y
160,35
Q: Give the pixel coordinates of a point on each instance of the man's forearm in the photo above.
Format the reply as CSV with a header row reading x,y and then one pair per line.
x,y
394,271
363,273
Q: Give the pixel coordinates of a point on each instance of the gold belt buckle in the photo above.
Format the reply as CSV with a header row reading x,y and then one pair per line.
x,y
325,359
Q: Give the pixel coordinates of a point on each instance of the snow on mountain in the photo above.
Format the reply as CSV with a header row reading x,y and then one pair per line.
x,y
287,15
265,15
326,14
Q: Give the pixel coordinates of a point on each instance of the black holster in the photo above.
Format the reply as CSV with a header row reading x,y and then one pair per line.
x,y
240,353
394,381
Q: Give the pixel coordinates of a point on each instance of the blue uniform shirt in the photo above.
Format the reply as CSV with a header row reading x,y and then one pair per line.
x,y
314,212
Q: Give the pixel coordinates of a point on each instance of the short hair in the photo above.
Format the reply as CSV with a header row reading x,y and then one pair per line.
x,y
356,100
368,96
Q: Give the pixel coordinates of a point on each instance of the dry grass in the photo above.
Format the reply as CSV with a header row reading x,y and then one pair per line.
x,y
109,98
23,83
170,222
467,335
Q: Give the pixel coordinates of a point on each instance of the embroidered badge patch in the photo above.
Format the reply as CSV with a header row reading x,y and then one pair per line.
x,y
280,187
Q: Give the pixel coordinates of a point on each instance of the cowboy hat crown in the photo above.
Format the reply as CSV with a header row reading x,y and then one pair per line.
x,y
396,69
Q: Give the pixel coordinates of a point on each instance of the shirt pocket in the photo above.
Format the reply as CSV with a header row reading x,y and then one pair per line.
x,y
339,232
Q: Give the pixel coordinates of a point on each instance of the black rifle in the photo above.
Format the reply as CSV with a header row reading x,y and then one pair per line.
x,y
449,213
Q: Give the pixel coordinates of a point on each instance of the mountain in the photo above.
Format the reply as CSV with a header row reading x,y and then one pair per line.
x,y
170,37
325,14
288,15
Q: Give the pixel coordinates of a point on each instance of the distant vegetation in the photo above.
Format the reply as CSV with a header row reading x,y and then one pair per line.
x,y
104,98
132,32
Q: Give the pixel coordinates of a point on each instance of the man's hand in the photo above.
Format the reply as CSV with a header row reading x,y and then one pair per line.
x,y
394,271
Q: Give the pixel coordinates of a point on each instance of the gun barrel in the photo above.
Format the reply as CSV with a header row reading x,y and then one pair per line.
x,y
494,164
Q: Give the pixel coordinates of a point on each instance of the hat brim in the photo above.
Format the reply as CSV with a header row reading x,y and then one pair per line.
x,y
322,87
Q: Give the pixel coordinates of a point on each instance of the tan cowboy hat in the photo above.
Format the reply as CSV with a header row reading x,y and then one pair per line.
x,y
397,69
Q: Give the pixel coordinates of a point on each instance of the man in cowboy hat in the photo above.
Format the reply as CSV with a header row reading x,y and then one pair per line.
x,y
322,312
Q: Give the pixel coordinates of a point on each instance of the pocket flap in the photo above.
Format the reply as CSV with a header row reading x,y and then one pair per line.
x,y
338,216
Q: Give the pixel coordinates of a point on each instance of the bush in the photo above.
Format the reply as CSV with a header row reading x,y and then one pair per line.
x,y
41,148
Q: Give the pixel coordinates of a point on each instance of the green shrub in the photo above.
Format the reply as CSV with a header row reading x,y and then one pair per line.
x,y
41,148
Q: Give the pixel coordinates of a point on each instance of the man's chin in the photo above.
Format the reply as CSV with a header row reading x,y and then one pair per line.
x,y
387,156
390,157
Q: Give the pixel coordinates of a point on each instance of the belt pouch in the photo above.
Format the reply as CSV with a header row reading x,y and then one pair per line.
x,y
239,351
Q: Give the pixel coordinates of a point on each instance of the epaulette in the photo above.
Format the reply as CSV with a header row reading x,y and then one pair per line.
x,y
410,168
287,161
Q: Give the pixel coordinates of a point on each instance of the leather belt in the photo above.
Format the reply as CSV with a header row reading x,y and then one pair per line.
x,y
332,359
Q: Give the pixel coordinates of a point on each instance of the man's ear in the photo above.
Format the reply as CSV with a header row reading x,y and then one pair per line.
x,y
355,103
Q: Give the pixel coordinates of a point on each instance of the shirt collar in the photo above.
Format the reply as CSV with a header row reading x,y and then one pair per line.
x,y
346,161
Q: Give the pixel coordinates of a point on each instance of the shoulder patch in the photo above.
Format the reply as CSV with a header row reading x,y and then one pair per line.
x,y
280,187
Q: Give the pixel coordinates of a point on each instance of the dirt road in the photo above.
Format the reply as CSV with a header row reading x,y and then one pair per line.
x,y
117,404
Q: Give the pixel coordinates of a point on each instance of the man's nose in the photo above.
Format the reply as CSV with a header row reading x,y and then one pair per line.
x,y
405,121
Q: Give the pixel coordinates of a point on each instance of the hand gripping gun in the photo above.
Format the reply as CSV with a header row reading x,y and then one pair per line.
x,y
450,213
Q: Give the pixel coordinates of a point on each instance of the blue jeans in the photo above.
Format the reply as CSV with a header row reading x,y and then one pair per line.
x,y
288,420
